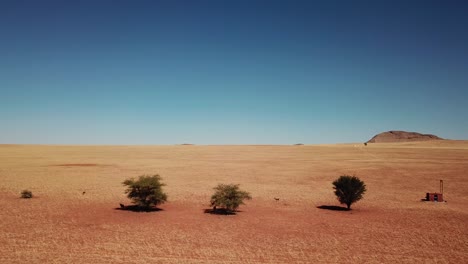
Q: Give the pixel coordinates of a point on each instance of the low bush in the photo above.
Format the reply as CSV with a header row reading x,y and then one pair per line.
x,y
146,191
228,197
26,194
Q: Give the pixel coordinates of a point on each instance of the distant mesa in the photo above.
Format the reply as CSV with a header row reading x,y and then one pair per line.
x,y
401,136
186,144
299,144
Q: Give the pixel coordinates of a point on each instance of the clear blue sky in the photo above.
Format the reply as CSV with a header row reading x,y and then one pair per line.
x,y
231,72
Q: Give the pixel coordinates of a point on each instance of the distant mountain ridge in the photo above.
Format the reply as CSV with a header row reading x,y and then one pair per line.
x,y
401,136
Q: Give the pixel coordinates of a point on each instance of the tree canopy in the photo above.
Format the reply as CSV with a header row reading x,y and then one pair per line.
x,y
146,191
349,189
229,197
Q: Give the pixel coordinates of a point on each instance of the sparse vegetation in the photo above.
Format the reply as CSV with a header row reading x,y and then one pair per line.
x,y
145,192
229,197
265,232
26,194
349,189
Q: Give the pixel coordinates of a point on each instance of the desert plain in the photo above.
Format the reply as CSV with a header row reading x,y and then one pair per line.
x,y
74,216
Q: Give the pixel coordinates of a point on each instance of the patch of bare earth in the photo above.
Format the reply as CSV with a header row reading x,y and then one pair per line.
x,y
390,225
80,165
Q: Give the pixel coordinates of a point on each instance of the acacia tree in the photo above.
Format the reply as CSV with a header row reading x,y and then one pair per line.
x,y
229,197
145,192
349,189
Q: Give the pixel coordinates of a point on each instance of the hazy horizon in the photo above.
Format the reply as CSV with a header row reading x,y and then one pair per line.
x,y
230,73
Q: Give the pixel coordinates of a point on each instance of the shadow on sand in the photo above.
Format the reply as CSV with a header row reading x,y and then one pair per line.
x,y
136,208
333,208
220,211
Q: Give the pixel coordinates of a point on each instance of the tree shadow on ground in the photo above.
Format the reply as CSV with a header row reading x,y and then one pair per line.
x,y
220,211
136,208
333,208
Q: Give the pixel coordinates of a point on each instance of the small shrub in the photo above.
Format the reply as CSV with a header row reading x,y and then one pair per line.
x,y
229,197
145,192
26,194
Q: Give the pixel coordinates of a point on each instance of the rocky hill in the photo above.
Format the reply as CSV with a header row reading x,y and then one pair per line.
x,y
401,136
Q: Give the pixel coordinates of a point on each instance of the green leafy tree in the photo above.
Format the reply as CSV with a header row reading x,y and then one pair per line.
x,y
349,189
229,197
145,192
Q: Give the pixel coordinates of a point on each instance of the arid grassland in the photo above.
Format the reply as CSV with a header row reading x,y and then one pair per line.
x,y
63,225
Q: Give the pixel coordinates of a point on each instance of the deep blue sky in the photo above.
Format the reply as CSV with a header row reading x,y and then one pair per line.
x,y
231,72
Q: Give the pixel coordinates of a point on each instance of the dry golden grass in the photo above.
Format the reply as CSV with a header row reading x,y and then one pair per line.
x,y
391,224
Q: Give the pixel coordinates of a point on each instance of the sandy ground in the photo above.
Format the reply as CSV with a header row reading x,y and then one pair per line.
x,y
391,224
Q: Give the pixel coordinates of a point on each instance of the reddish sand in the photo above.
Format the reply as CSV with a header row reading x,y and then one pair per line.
x,y
79,165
